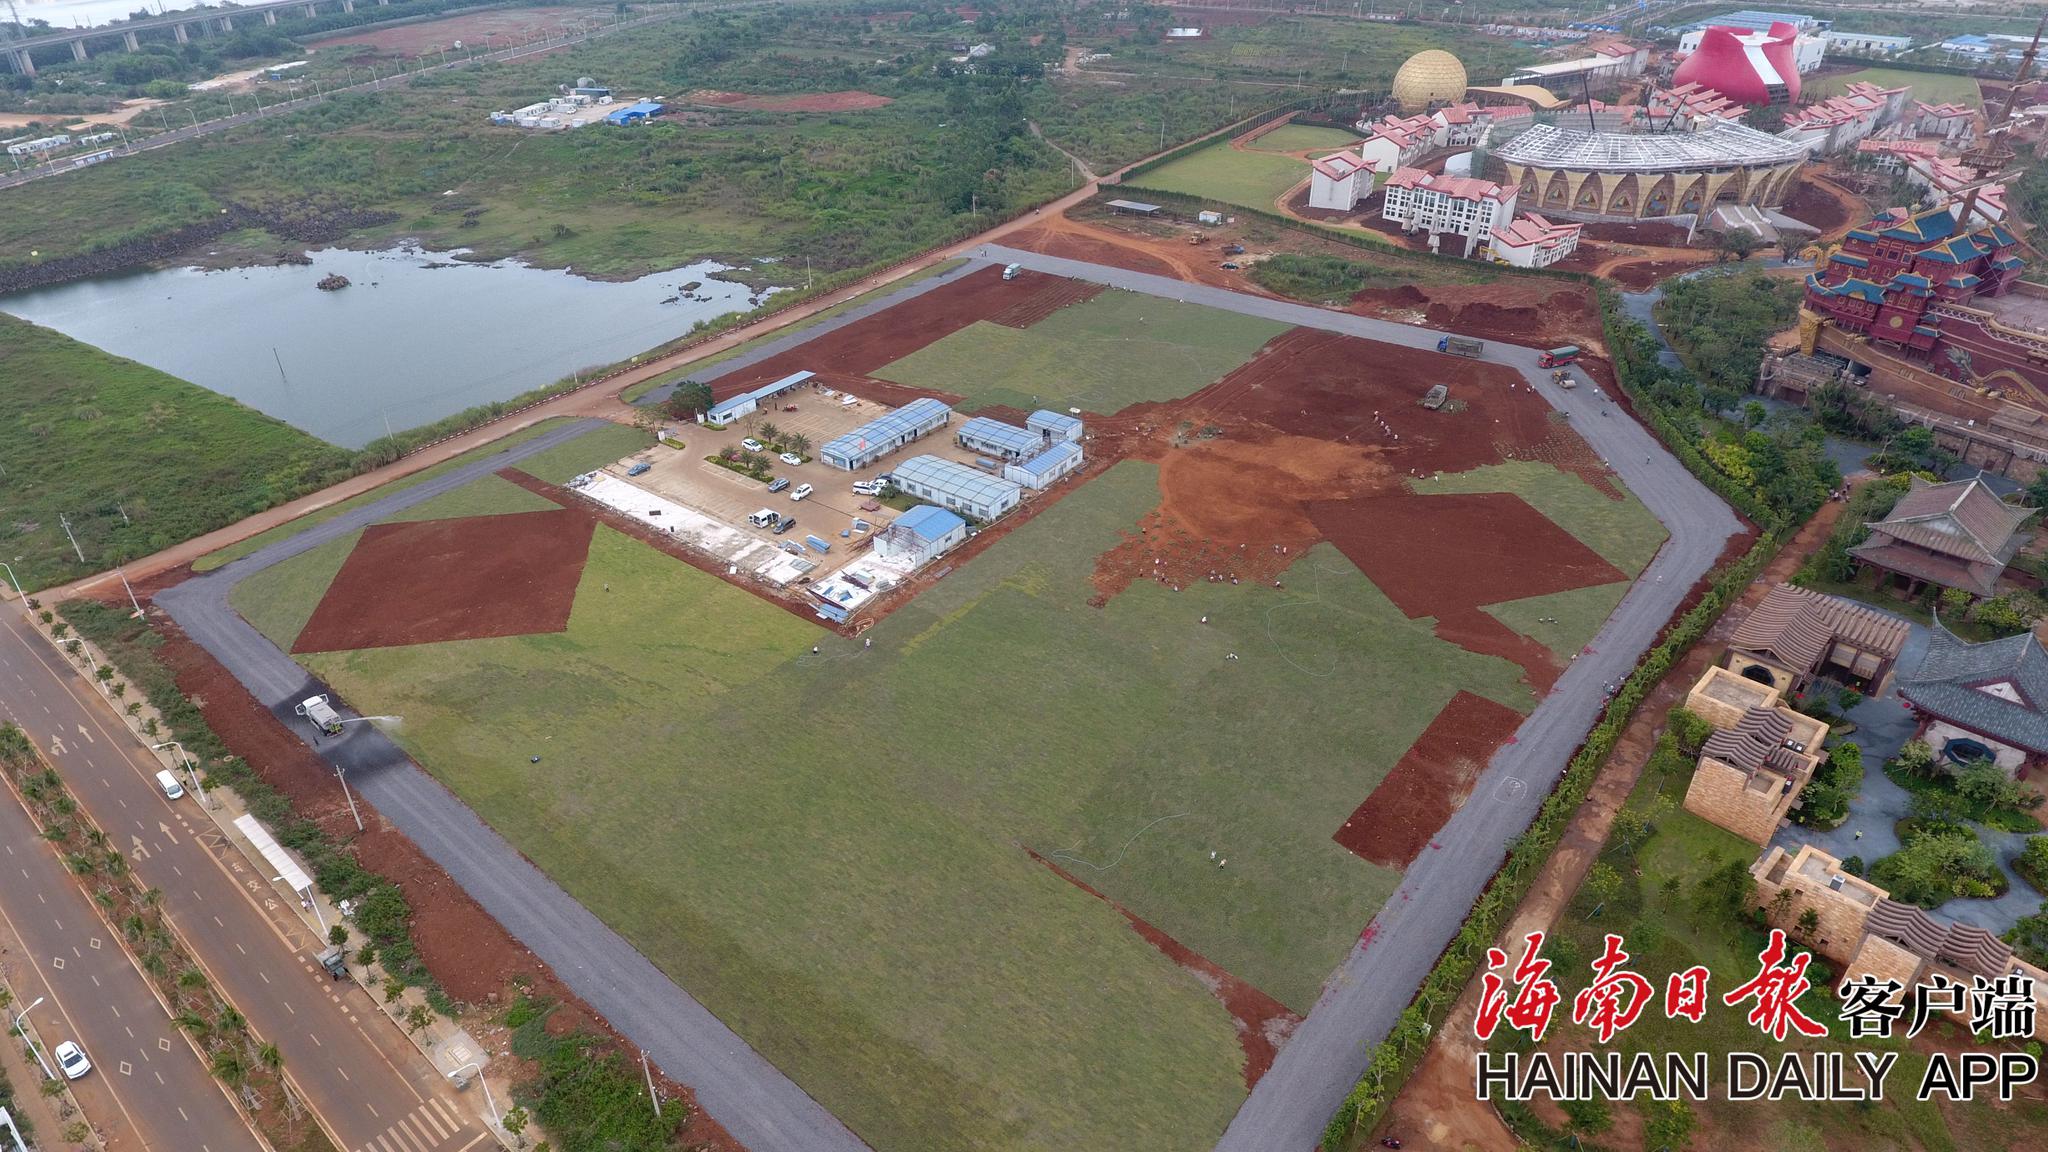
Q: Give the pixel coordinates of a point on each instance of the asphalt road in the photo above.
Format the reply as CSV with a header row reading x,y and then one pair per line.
x,y
1292,1103
370,1089
1327,1053
147,1088
760,1106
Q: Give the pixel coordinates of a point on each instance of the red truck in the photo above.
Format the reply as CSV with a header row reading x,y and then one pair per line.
x,y
1559,357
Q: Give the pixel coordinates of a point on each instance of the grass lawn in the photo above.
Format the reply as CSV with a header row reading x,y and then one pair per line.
x,y
279,600
138,460
487,496
1296,137
1932,87
580,455
829,851
633,394
1118,349
1578,613
1220,172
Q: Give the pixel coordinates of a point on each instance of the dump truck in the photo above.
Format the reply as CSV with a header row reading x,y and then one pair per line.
x,y
321,713
1559,356
1461,346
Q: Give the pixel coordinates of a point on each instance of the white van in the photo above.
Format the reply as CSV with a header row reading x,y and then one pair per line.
x,y
1010,273
765,518
172,790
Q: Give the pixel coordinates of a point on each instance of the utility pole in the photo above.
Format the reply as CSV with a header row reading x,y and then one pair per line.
x,y
66,522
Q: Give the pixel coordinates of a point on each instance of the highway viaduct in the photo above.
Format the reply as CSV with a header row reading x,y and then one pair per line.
x,y
181,25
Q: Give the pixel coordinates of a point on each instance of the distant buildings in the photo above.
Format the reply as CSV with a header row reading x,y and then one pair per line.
x,y
747,403
1396,141
1757,68
1840,122
1423,202
1604,67
1951,122
1864,43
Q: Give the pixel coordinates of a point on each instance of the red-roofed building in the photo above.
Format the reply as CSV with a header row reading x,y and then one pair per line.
x,y
1336,182
1462,205
1396,140
1462,125
1534,242
1892,277
1831,125
1689,107
1894,155
1949,121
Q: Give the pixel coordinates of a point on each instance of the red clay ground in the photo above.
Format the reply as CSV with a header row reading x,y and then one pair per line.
x,y
1045,301
464,948
885,337
1430,782
502,28
463,579
810,102
1263,1023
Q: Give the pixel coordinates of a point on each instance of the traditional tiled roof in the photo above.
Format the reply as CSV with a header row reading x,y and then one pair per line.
x,y
1339,166
1963,945
1961,518
1941,111
1799,628
1756,742
1933,224
1969,685
1533,229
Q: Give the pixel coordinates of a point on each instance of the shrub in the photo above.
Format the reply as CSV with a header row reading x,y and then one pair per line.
x,y
2032,863
1938,865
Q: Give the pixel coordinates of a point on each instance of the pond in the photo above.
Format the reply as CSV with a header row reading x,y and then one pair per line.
x,y
417,335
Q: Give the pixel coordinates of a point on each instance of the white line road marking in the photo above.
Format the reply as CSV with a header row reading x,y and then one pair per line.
x,y
315,1040
264,975
373,1110
453,1118
473,1143
429,1120
344,1073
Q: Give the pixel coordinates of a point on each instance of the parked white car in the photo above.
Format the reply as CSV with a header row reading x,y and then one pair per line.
x,y
802,490
867,487
71,1058
751,444
792,459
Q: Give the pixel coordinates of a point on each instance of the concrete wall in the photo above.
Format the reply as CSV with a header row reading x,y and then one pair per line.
x,y
1721,795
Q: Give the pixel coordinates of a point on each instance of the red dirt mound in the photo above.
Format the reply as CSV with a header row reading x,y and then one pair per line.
x,y
1263,1023
1074,244
1049,298
1430,782
1812,203
1657,233
1433,555
464,579
888,336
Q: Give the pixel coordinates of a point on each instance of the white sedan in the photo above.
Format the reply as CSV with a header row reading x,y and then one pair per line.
x,y
792,459
751,444
71,1058
802,490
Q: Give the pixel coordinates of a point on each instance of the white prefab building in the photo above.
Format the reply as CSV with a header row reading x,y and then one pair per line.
x,y
1041,470
965,490
1866,43
1336,182
885,434
920,536
1948,121
997,439
1422,202
1395,141
1054,426
747,403
1534,242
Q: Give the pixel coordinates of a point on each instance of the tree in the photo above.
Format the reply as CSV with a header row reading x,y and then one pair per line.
x,y
1916,759
515,1120
1809,923
2011,613
1739,243
799,443
768,431
1939,865
1986,785
1667,1125
1754,414
1603,883
689,398
1955,602
1689,729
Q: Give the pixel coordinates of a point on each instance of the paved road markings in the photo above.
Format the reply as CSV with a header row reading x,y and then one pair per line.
x,y
127,1069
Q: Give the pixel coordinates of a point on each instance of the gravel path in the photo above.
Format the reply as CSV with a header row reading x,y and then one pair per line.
x,y
760,1106
1329,1051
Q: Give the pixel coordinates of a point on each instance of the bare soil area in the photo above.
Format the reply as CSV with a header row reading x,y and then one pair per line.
x,y
500,28
1403,815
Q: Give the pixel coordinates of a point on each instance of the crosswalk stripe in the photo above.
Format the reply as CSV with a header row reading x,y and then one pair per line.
x,y
429,1120
403,1140
453,1117
383,1144
417,1125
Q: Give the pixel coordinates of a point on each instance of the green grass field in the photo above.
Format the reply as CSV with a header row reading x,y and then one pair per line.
x,y
1295,137
829,851
1118,349
1932,87
556,465
137,459
1220,172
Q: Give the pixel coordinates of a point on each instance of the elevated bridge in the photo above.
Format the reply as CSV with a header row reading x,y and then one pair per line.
x,y
181,26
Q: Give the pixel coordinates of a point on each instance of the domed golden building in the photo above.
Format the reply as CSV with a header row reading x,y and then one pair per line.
x,y
1433,76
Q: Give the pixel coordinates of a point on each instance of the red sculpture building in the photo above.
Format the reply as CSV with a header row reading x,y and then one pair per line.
x,y
1892,277
1749,67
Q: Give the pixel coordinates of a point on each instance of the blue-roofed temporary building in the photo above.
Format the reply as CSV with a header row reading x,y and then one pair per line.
x,y
1054,425
1041,470
633,113
921,535
953,485
995,438
885,434
746,403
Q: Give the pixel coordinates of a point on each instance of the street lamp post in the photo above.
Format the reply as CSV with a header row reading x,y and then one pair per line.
x,y
486,1083
30,1041
191,769
18,589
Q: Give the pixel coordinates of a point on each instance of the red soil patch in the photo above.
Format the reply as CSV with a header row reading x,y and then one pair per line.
x,y
1263,1023
845,101
1095,248
1433,555
463,579
1429,783
467,952
1047,299
888,336
1656,233
1814,204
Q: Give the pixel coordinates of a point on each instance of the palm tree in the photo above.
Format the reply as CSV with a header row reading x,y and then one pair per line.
x,y
769,432
228,1067
800,444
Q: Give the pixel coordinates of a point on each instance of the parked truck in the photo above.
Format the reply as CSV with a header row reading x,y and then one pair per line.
x,y
1559,356
321,713
1461,346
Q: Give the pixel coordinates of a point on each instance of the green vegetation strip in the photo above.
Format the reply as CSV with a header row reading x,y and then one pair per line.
x,y
584,1093
1250,178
